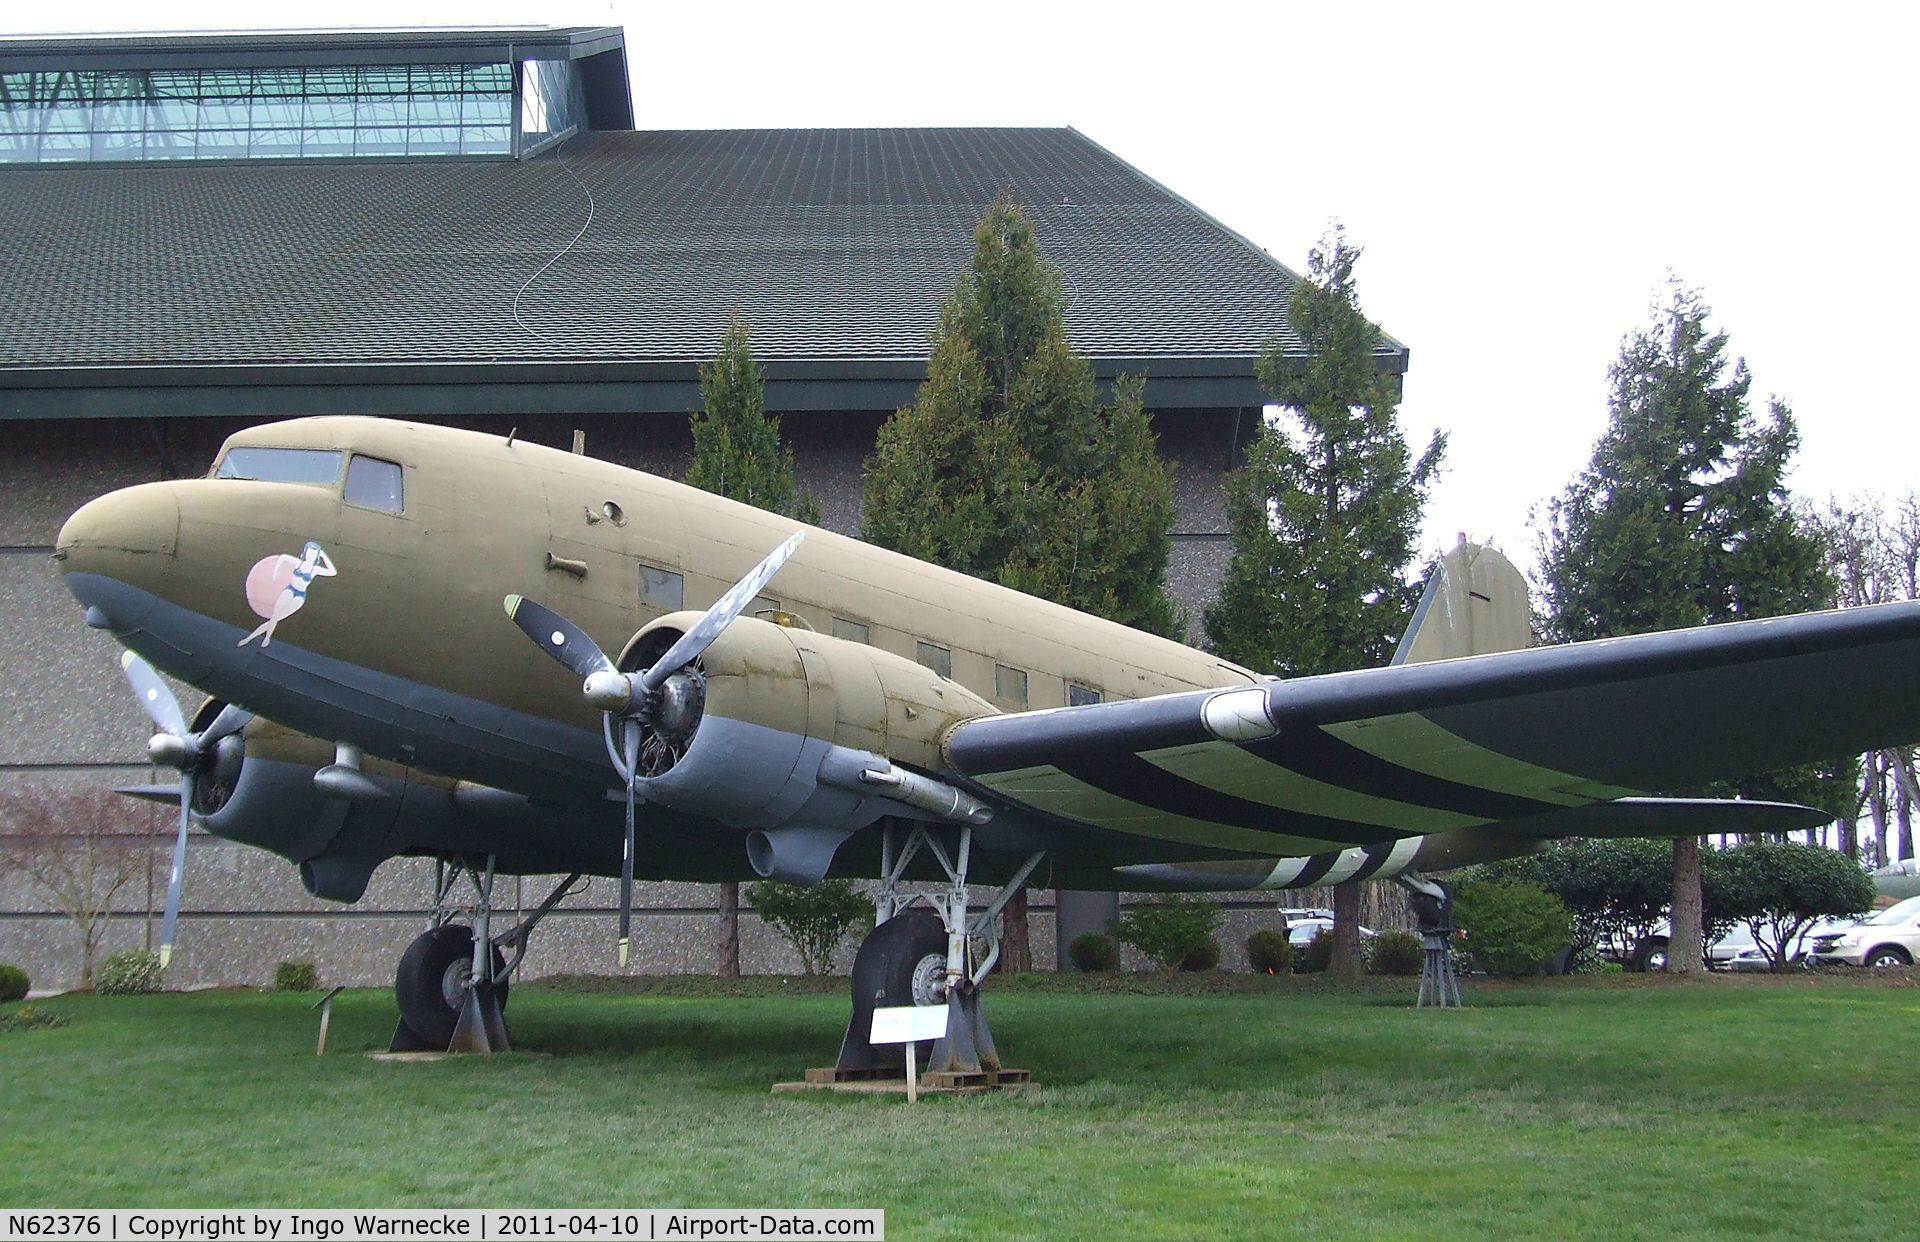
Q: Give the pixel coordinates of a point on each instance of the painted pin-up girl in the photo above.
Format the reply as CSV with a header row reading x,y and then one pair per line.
x,y
277,587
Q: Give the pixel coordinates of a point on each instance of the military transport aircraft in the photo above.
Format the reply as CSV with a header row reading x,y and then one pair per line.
x,y
377,607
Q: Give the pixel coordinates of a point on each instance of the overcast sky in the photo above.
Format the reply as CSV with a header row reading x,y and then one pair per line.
x,y
1522,178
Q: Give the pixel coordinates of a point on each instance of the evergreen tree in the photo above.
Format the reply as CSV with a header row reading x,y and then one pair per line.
x,y
1326,511
736,444
1682,519
1009,466
737,453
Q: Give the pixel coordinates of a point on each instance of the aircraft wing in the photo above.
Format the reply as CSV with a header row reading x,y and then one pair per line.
x,y
1523,740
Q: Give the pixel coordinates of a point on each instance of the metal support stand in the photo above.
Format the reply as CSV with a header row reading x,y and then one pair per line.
x,y
966,1054
481,1029
517,936
1439,972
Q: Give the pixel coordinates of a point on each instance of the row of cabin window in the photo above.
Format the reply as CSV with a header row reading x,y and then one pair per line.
x,y
665,589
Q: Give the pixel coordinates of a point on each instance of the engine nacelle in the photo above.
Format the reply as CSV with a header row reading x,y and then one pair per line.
x,y
265,794
787,724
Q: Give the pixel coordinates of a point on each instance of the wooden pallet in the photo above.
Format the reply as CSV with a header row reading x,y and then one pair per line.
x,y
833,1074
947,1080
866,1083
951,1080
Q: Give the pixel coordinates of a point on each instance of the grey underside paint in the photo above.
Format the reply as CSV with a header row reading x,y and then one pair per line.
x,y
562,767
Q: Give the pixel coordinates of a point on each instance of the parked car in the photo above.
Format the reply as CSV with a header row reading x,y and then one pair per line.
x,y
1300,932
1889,938
1734,951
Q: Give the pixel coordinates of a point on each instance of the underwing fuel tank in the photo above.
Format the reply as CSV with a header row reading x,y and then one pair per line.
x,y
802,737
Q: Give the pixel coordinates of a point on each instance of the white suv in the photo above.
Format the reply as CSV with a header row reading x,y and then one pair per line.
x,y
1889,938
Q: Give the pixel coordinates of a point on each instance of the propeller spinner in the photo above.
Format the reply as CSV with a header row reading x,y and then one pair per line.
x,y
194,754
655,697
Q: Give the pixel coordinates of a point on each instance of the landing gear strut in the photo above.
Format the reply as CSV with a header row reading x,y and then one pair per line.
x,y
925,950
1439,973
452,982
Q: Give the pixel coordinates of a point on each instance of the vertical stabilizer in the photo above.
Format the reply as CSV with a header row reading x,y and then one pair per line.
x,y
1475,604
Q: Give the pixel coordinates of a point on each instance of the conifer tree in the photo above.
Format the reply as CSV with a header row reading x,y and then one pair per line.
x,y
1325,514
736,444
1009,465
737,453
1682,519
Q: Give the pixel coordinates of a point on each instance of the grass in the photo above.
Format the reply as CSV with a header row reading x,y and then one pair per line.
x,y
1255,1108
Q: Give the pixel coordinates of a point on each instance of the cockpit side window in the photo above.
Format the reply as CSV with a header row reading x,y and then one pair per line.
x,y
313,467
374,484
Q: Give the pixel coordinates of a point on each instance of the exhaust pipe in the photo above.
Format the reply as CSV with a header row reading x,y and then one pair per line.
x,y
795,855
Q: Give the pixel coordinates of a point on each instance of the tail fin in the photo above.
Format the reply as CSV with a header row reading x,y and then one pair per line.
x,y
1475,604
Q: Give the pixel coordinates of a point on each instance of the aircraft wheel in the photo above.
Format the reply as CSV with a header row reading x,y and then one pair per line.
x,y
901,962
909,962
431,983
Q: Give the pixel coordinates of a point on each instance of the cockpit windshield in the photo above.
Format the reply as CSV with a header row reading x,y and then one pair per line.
x,y
314,467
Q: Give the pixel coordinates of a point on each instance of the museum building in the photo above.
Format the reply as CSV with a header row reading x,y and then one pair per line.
x,y
201,232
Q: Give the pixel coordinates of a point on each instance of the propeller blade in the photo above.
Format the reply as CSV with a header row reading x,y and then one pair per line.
x,y
168,794
558,637
179,867
701,634
630,746
231,720
158,701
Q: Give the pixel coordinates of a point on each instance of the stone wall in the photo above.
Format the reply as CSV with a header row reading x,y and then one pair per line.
x,y
244,911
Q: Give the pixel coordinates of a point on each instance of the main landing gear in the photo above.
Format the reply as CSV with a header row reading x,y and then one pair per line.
x,y
926,950
452,982
1439,973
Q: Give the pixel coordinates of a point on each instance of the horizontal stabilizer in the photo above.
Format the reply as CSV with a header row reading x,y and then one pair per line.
x,y
1675,817
168,795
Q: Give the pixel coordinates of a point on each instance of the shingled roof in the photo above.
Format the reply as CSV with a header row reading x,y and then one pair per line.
x,y
620,257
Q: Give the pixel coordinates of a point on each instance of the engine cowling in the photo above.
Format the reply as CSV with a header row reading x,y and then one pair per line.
x,y
264,794
774,726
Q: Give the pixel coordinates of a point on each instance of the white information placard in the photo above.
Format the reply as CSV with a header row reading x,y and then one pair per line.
x,y
906,1024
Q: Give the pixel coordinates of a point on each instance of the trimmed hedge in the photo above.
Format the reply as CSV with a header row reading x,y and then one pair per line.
x,y
1396,953
1093,952
1206,957
1512,927
13,982
128,973
296,977
1270,952
1319,954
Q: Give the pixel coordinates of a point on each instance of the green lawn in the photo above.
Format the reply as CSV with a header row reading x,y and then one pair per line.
x,y
1554,1108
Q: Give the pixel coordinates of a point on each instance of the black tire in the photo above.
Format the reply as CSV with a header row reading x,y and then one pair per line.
x,y
908,949
1650,954
896,952
430,983
1888,956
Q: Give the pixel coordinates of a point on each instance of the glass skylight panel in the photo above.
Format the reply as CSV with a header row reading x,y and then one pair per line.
x,y
279,113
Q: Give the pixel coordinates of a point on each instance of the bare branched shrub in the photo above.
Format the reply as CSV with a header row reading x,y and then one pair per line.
x,y
78,849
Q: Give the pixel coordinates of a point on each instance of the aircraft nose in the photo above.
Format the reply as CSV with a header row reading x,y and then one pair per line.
x,y
132,522
124,539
